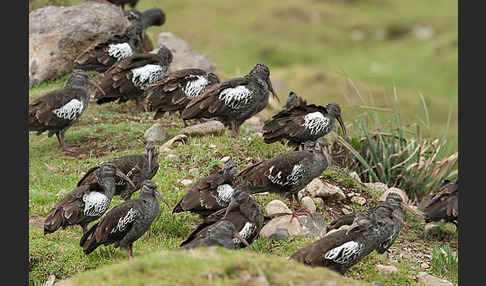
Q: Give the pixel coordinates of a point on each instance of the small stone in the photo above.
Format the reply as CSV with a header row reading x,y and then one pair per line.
x,y
275,207
359,200
378,186
377,283
225,159
387,270
423,33
319,202
424,265
186,182
311,227
172,157
194,171
346,211
308,203
355,176
350,194
155,133
212,146
433,231
431,280
167,145
206,128
279,234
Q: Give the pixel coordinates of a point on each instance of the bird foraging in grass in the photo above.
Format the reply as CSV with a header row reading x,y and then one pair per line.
x,y
125,223
86,203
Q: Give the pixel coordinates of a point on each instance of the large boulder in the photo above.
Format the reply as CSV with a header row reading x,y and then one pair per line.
x,y
183,55
58,34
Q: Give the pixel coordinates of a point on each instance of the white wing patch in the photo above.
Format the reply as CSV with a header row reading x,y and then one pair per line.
x,y
235,97
124,221
245,232
194,88
95,204
225,192
70,110
316,122
120,51
296,174
344,253
148,74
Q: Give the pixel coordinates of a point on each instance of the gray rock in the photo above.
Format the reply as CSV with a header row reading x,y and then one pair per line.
x,y
58,34
225,159
377,283
386,270
167,145
318,188
186,182
433,231
359,200
431,280
184,56
209,127
377,186
280,234
311,227
276,207
156,133
309,204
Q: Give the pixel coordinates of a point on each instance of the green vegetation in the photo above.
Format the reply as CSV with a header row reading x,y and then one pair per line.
x,y
311,48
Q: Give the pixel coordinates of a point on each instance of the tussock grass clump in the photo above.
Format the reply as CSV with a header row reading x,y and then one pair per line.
x,y
388,151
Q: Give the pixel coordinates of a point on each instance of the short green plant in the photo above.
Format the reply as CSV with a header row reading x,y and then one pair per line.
x,y
444,262
395,153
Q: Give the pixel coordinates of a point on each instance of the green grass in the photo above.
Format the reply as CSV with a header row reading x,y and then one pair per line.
x,y
308,47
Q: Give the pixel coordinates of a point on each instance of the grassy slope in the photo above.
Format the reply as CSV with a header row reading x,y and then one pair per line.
x,y
303,41
308,63
112,130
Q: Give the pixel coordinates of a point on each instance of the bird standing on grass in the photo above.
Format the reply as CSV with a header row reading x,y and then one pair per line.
x,y
373,229
177,89
286,174
85,203
300,122
233,101
125,223
137,167
57,110
237,229
125,80
210,193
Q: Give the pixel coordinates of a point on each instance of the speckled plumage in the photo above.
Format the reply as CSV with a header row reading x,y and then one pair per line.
x,y
126,79
210,193
125,223
59,109
85,203
135,166
286,173
245,215
374,229
299,122
177,89
233,101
